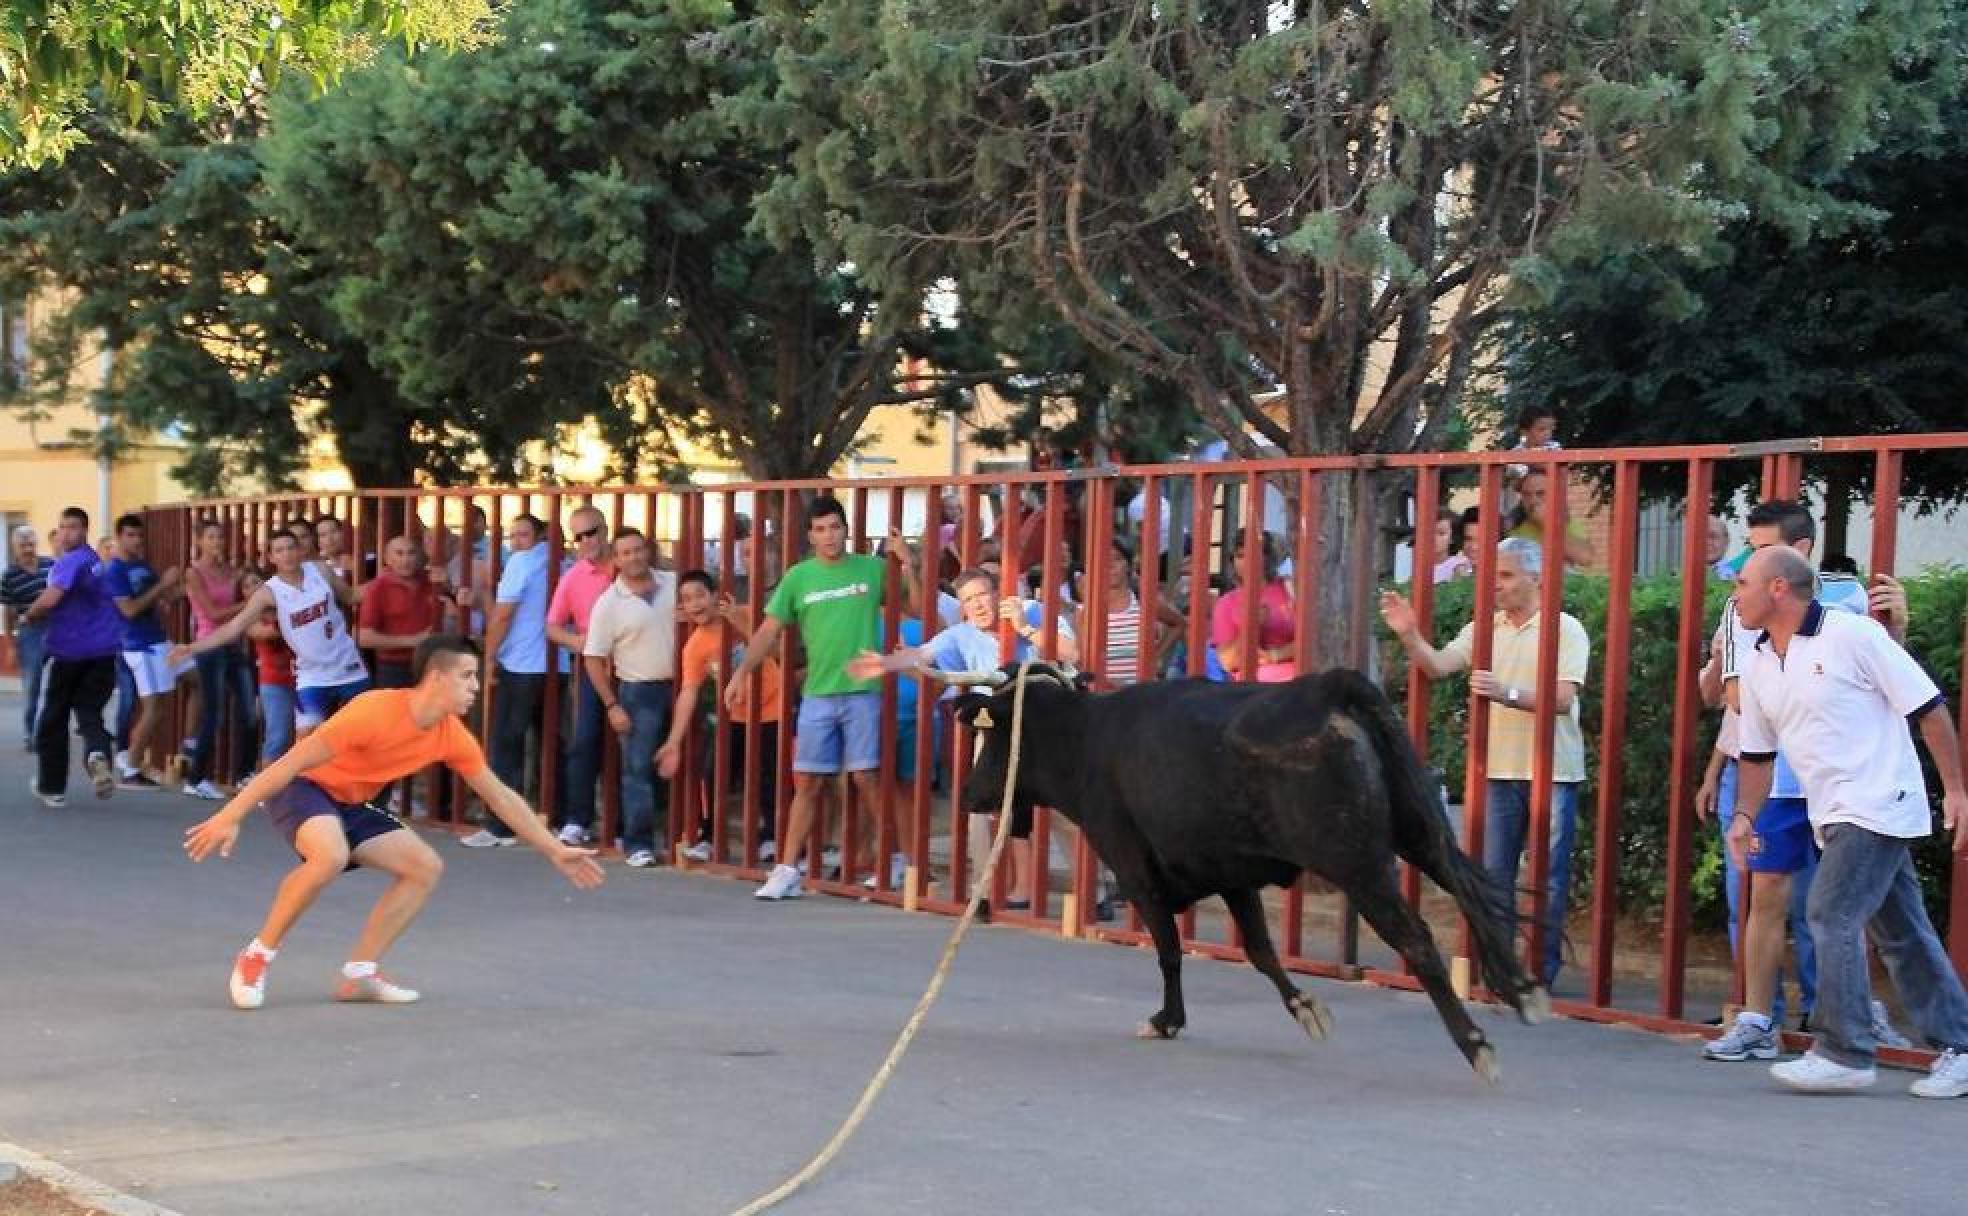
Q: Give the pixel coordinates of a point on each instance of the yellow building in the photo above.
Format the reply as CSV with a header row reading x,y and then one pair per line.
x,y
48,462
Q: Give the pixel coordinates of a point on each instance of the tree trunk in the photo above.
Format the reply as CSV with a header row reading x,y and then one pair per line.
x,y
1837,510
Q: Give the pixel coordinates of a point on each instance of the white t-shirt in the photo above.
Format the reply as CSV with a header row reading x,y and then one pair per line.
x,y
311,622
1837,705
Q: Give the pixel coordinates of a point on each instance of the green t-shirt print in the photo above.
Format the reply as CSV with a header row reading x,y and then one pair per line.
x,y
838,610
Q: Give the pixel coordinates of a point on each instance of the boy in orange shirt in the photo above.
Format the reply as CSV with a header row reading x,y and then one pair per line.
x,y
318,795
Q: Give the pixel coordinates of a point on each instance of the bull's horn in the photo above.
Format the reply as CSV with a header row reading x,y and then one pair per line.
x,y
966,679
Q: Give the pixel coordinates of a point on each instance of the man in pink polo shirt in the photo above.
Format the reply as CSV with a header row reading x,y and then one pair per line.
x,y
581,584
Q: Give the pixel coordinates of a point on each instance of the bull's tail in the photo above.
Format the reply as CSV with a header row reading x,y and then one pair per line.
x,y
1423,838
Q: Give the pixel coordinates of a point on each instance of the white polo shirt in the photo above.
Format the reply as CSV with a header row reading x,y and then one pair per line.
x,y
1838,705
638,633
1837,592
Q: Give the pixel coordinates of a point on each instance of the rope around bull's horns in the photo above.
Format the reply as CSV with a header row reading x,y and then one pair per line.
x,y
886,1072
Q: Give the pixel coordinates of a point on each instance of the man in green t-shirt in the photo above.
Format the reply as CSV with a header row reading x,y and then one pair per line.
x,y
835,597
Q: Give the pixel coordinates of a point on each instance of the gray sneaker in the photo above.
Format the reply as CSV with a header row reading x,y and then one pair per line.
x,y
1882,1029
1751,1038
100,774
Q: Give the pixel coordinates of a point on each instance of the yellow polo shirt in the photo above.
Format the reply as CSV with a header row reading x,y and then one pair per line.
x,y
1514,659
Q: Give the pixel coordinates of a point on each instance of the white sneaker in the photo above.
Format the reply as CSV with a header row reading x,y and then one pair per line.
x,y
206,790
123,764
641,859
1947,1077
898,866
782,883
57,801
573,835
701,851
768,850
486,839
375,989
1816,1074
249,980
1882,1028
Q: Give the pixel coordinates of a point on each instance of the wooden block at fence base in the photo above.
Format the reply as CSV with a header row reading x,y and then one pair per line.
x,y
909,897
1069,916
677,859
1459,976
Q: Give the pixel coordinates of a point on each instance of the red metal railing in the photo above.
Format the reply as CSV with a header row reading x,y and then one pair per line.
x,y
1204,507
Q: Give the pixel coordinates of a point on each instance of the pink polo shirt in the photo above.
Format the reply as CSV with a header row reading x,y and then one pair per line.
x,y
580,585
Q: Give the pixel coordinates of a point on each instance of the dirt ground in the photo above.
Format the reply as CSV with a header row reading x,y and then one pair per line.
x,y
28,1196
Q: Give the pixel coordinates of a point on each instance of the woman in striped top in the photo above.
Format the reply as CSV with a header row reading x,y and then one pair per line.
x,y
25,580
1121,658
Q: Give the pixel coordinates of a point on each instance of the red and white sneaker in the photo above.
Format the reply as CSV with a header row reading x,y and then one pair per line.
x,y
249,980
377,989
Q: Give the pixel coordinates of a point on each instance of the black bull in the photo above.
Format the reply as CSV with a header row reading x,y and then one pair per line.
x,y
1189,789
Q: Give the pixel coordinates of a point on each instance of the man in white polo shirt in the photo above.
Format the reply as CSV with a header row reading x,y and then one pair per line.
x,y
1512,684
631,655
1835,692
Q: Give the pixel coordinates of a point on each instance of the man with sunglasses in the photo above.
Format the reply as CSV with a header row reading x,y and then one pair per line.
x,y
574,597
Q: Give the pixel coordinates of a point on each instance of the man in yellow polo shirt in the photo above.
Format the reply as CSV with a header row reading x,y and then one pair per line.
x,y
1511,683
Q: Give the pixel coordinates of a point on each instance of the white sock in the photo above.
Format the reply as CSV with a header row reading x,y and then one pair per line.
x,y
257,947
358,971
1762,1019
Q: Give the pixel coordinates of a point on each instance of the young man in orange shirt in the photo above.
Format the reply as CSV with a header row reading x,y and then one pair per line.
x,y
719,630
318,795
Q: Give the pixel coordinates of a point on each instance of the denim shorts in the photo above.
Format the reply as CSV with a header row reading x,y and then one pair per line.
x,y
313,706
303,800
1782,843
838,734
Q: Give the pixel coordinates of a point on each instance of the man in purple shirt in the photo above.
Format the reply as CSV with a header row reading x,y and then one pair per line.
x,y
85,633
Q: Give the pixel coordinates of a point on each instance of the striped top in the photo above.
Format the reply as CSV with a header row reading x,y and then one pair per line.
x,y
1123,644
20,587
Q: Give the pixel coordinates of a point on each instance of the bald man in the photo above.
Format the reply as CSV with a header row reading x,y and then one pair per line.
x,y
1836,694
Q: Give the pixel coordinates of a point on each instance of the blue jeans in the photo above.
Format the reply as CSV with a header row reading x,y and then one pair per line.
x,y
1865,878
276,721
1800,891
1506,828
225,685
126,703
580,754
648,704
31,648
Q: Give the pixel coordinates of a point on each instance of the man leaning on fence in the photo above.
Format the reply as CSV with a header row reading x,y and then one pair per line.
x,y
1512,684
1837,694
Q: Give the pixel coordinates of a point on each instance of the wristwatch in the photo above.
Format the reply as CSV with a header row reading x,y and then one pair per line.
x,y
1510,697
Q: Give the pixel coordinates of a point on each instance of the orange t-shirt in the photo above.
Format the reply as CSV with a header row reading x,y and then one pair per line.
x,y
700,651
376,741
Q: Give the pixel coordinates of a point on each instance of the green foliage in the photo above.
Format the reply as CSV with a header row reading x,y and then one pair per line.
x,y
147,58
1937,600
1237,198
1862,329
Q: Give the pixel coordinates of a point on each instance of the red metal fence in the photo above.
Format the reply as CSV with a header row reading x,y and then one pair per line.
x,y
1188,518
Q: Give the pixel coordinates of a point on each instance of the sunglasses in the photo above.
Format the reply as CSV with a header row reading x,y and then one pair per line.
x,y
590,532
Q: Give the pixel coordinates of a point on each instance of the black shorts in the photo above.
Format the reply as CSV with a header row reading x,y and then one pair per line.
x,y
1021,819
303,800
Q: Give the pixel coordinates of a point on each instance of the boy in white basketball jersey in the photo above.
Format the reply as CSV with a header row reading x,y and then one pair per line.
x,y
328,670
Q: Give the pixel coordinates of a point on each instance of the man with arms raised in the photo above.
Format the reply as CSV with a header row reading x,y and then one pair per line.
x,y
318,796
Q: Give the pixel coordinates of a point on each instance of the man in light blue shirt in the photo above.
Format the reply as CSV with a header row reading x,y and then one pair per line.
x,y
516,637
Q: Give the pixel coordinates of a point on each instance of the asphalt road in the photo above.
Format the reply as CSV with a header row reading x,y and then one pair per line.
x,y
668,1046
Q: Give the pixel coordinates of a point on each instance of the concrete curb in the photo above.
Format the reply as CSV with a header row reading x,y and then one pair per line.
x,y
83,1190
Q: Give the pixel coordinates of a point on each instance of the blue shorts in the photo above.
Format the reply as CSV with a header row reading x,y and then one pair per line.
x,y
313,706
1782,843
838,734
303,800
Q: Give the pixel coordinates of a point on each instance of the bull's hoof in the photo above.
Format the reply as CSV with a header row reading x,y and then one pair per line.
x,y
1312,1015
1486,1066
1151,1030
1534,1006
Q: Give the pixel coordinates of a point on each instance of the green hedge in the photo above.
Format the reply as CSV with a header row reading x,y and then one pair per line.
x,y
1936,601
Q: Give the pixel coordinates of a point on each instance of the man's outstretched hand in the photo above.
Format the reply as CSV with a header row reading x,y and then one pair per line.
x,y
579,867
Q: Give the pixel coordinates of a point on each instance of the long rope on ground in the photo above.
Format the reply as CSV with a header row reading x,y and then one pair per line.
x,y
886,1072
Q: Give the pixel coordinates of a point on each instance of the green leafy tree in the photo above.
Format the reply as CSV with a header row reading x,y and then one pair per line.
x,y
1306,215
1859,331
572,191
157,243
143,59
